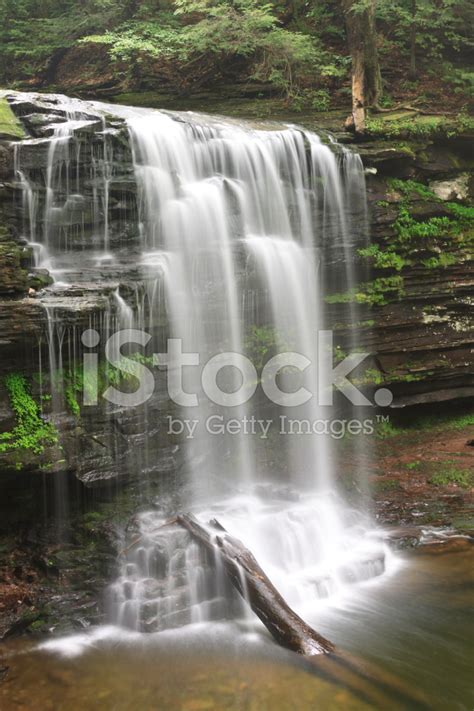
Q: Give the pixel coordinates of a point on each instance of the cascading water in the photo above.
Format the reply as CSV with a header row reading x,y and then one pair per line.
x,y
236,226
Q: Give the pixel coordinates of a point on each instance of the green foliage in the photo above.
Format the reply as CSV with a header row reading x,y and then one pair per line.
x,y
444,260
386,429
31,432
452,475
308,98
72,401
444,422
408,228
74,383
440,25
31,32
217,30
295,47
339,354
10,127
261,344
418,126
372,293
383,259
449,238
407,187
461,212
371,376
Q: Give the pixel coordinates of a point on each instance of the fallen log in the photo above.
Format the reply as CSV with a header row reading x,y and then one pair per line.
x,y
370,683
285,626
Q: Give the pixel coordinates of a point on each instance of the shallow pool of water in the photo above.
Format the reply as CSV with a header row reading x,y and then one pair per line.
x,y
410,634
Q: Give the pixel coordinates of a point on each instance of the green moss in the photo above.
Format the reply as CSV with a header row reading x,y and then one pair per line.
x,y
450,238
71,400
451,475
10,127
462,212
387,259
407,187
373,293
409,229
408,150
413,126
386,428
387,485
412,465
73,382
444,260
38,626
339,354
371,376
443,422
31,431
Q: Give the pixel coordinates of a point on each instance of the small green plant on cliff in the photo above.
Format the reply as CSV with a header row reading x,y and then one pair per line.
x,y
31,432
462,212
407,187
451,475
339,354
261,344
372,293
71,399
387,259
74,382
408,228
444,260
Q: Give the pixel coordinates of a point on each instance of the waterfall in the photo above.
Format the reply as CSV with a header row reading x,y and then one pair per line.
x,y
235,229
228,213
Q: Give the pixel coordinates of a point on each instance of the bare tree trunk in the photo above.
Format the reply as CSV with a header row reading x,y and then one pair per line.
x,y
366,77
412,73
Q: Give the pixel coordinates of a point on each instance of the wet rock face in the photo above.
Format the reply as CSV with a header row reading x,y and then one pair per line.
x,y
422,339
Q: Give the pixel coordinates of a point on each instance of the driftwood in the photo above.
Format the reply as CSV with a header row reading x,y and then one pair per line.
x,y
285,626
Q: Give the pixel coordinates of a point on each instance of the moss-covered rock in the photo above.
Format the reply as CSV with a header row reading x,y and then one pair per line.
x,y
10,127
13,275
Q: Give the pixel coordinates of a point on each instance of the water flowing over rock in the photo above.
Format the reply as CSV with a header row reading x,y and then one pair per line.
x,y
226,236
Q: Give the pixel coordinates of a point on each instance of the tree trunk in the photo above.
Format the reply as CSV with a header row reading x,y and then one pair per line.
x,y
366,77
412,73
285,626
